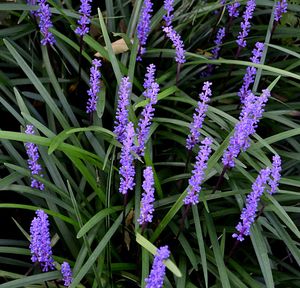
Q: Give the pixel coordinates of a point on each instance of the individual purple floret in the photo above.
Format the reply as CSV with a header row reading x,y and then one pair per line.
x,y
251,71
168,6
158,271
246,25
84,21
198,117
45,22
232,9
122,109
40,242
66,273
195,181
251,113
249,212
177,42
32,3
127,171
143,28
281,8
33,157
147,197
218,41
94,86
151,91
275,174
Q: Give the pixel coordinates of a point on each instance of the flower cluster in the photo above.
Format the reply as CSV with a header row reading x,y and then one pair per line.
x,y
66,273
143,28
249,212
198,117
45,22
33,157
169,7
84,21
281,8
250,115
275,174
122,111
151,91
94,86
246,25
218,41
158,271
232,9
177,42
40,243
127,171
251,71
147,197
195,181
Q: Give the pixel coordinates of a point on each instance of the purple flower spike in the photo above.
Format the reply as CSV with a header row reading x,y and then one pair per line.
x,y
246,25
249,212
45,22
249,118
218,41
168,6
127,171
147,197
40,242
198,117
232,9
32,3
122,110
84,21
33,157
158,271
195,181
177,42
66,272
251,71
281,8
275,174
151,91
94,86
143,28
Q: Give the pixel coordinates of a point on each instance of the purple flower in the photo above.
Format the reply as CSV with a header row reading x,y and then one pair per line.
x,y
251,71
177,42
32,3
249,212
281,8
250,115
275,174
218,41
84,21
143,28
245,25
151,91
127,171
195,181
198,117
40,243
168,6
232,9
158,271
66,273
94,86
147,197
33,157
45,22
122,110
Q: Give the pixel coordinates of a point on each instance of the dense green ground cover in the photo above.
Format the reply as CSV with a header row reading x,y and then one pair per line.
x,y
39,85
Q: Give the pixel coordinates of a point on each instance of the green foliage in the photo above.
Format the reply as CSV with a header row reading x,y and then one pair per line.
x,y
93,227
